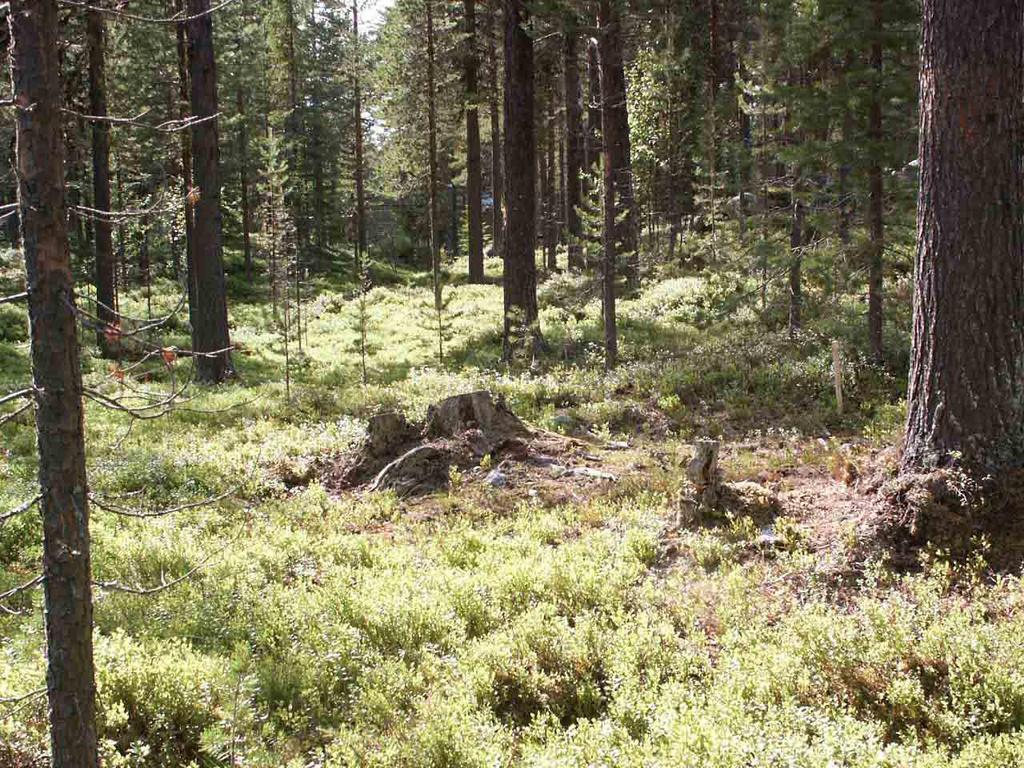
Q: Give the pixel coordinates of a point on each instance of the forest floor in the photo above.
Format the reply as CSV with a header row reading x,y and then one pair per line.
x,y
540,616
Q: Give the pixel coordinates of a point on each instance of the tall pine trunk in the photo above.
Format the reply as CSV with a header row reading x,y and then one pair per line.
x,y
573,192
186,163
966,390
520,267
876,192
106,294
210,314
615,128
474,183
609,271
592,135
497,178
57,377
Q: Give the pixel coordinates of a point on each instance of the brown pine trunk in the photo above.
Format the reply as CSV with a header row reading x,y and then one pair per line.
x,y
186,160
497,179
615,125
474,184
106,294
876,189
546,159
520,267
574,160
608,267
966,393
57,377
210,315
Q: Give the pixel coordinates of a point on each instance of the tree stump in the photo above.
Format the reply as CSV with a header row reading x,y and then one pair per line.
x,y
475,412
703,472
421,470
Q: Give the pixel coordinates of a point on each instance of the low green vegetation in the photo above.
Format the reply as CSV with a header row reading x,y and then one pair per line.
x,y
350,629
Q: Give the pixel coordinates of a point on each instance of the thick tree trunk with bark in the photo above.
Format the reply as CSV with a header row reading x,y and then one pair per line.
x,y
573,193
106,294
615,128
966,393
520,266
57,378
876,192
474,184
210,314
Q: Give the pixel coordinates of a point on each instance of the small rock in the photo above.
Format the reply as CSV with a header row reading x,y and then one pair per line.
x,y
617,445
596,474
557,470
496,479
768,537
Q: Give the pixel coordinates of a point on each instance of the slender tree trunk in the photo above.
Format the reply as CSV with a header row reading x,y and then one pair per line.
x,y
186,160
359,169
435,249
57,377
243,153
474,183
592,143
608,266
546,160
497,179
106,290
796,243
876,192
520,267
615,125
210,326
573,141
551,238
966,393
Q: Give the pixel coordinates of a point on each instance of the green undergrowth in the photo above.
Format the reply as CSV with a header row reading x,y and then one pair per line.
x,y
319,630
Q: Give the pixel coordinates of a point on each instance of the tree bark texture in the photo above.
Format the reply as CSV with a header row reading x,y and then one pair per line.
x,y
57,377
966,389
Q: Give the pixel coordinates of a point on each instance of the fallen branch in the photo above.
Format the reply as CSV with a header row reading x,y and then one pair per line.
x,y
116,586
163,512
